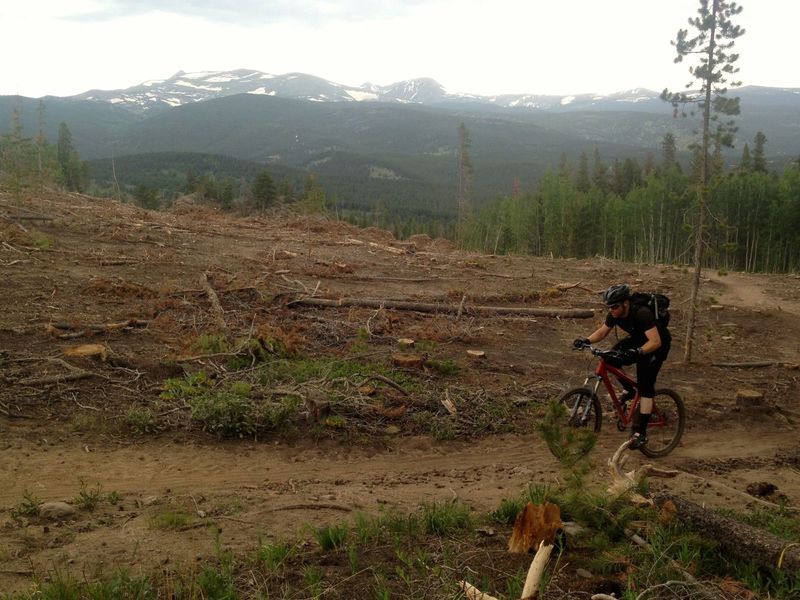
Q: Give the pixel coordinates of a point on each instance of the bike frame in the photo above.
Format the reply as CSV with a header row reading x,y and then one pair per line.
x,y
601,375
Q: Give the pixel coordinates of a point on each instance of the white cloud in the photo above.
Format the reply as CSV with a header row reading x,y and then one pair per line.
x,y
469,46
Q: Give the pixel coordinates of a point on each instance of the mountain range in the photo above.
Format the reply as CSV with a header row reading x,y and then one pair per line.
x,y
185,88
394,144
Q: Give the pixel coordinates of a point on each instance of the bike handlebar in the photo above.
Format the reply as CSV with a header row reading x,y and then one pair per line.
x,y
613,354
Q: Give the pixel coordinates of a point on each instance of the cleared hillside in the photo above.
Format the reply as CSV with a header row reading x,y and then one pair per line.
x,y
158,295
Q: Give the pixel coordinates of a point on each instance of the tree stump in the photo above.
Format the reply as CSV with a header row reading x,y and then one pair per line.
x,y
406,359
749,399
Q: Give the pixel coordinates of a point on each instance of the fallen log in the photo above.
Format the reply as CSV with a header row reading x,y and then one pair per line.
x,y
562,313
737,539
89,330
746,365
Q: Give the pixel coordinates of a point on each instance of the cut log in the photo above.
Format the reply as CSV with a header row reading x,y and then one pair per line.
x,y
737,539
90,330
88,351
407,360
562,313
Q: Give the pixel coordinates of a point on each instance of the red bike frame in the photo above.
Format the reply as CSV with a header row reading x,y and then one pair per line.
x,y
601,374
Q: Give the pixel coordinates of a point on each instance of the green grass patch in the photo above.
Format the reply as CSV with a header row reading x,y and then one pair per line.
x,y
28,506
331,537
507,512
139,421
443,518
170,519
88,498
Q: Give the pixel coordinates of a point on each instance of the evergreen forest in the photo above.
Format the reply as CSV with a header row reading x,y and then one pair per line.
x,y
581,207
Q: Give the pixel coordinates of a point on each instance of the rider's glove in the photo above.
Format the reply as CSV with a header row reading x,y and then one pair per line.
x,y
629,357
580,342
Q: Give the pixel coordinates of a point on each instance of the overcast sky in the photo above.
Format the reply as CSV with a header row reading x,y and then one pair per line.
x,y
66,47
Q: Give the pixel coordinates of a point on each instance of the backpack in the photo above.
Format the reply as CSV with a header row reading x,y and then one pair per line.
x,y
657,303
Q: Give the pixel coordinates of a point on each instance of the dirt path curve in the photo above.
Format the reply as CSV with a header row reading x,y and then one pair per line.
x,y
749,291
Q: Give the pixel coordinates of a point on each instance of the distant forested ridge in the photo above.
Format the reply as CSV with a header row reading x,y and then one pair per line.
x,y
532,189
753,224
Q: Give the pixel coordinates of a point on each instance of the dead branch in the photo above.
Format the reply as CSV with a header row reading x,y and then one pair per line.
x,y
298,282
73,374
375,314
118,262
536,570
563,287
532,580
207,356
219,314
473,593
461,307
385,380
338,507
443,308
448,404
245,288
173,410
623,483
75,399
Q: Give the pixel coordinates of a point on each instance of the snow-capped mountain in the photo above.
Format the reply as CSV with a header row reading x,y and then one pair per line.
x,y
185,88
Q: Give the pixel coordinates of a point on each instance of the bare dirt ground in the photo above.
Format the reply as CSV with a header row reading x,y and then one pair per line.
x,y
79,261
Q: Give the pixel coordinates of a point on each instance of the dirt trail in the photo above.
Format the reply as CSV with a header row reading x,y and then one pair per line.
x,y
254,492
751,291
109,262
406,474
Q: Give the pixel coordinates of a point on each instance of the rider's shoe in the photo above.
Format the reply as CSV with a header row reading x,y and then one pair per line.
x,y
637,441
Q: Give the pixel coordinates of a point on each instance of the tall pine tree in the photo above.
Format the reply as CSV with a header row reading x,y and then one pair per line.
x,y
713,35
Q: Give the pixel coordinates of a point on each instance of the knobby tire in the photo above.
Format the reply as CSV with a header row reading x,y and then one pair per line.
x,y
576,401
666,426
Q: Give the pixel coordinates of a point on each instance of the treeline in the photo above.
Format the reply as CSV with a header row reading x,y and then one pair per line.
x,y
647,214
624,210
33,162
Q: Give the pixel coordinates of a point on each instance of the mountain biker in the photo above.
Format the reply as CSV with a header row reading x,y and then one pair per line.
x,y
646,346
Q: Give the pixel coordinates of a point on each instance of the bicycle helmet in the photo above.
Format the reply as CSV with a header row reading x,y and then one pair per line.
x,y
616,294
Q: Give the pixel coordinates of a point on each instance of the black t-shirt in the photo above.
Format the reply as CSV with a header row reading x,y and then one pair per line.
x,y
639,320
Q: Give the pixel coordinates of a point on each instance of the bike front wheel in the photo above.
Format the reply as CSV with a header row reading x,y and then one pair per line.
x,y
666,425
583,409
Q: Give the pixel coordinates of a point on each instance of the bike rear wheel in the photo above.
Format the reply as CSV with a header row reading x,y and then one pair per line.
x,y
666,425
583,409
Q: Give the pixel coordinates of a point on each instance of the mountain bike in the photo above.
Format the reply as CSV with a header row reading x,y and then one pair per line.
x,y
584,408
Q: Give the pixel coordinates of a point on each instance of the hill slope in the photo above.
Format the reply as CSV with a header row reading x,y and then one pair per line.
x,y
84,261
